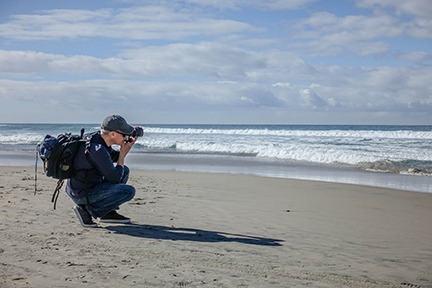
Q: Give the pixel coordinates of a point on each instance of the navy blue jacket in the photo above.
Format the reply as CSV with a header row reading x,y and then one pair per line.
x,y
102,168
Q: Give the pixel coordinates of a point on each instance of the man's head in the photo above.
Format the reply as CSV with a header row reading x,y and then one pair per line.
x,y
118,124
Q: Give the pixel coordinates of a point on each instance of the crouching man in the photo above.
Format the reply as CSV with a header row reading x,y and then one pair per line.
x,y
99,186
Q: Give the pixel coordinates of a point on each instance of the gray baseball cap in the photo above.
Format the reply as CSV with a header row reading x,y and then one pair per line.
x,y
117,123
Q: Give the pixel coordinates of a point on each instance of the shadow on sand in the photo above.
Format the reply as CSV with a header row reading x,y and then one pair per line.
x,y
188,234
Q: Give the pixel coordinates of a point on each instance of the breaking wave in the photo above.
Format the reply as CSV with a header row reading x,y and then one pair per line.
x,y
392,149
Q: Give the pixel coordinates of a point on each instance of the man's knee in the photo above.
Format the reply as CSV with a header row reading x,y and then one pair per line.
x,y
126,170
125,177
130,191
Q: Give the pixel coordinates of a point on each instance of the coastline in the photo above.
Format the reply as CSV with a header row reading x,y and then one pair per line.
x,y
218,230
243,165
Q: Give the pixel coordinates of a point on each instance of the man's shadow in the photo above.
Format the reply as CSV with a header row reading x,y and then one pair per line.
x,y
188,234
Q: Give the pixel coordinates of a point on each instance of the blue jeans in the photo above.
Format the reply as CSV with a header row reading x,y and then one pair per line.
x,y
107,197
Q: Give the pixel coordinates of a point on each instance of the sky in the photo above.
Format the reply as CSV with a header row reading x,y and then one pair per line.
x,y
217,62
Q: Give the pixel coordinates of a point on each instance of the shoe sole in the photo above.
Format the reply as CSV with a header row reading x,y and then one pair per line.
x,y
113,221
75,208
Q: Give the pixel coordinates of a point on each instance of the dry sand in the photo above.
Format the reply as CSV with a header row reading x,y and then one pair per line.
x,y
213,230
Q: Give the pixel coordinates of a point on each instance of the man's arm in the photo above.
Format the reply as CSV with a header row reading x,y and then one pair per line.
x,y
102,159
124,150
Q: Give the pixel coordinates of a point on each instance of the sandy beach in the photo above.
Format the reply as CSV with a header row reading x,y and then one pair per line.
x,y
217,230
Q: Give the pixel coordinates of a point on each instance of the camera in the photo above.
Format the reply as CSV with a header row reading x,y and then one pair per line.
x,y
137,132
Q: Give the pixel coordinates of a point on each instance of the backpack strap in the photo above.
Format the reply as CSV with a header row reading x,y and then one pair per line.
x,y
87,154
57,192
37,154
87,150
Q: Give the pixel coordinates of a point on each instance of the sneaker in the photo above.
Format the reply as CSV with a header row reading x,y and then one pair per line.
x,y
113,217
84,217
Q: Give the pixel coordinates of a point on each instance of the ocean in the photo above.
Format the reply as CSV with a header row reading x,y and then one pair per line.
x,y
376,155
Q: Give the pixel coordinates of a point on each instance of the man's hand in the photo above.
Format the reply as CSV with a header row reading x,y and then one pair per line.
x,y
124,150
125,147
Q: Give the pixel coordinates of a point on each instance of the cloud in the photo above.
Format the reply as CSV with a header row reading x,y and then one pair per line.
x,y
420,8
167,96
324,33
22,62
212,60
274,4
309,98
221,74
321,34
416,57
343,30
138,23
202,60
334,89
419,27
237,4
